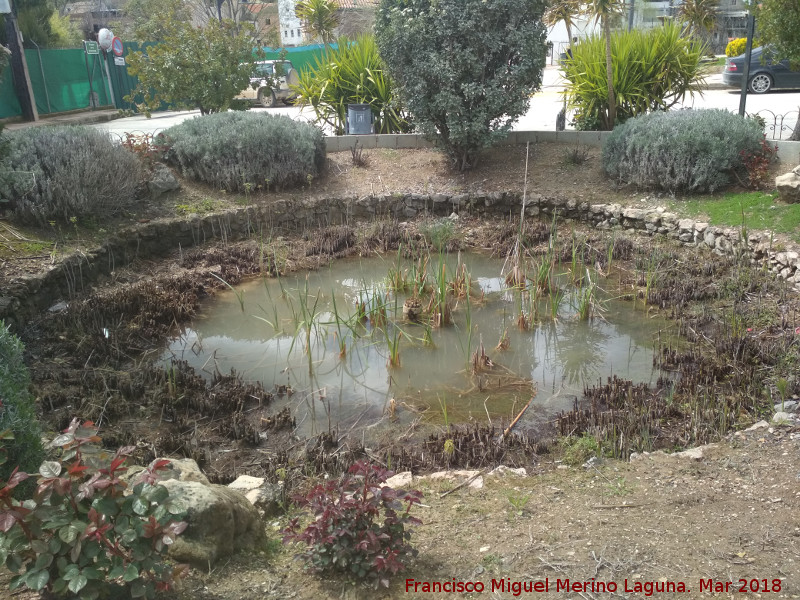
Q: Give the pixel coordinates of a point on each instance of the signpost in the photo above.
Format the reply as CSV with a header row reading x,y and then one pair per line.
x,y
116,46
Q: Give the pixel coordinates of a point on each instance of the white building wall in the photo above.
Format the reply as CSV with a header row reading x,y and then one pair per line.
x,y
291,30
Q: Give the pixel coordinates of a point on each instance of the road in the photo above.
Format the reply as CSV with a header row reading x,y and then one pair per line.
x,y
541,115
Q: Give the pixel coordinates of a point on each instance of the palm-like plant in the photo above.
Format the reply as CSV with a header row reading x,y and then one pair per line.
x,y
320,18
603,11
698,16
562,10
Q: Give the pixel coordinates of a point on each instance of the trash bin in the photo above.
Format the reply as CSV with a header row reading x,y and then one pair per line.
x,y
359,119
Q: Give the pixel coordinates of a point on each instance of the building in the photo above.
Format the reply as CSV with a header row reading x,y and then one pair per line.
x,y
355,16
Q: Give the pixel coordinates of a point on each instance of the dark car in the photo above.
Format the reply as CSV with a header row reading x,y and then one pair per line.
x,y
766,72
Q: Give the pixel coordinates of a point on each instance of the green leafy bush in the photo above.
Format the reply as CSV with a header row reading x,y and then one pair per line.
x,y
194,67
465,68
653,70
345,535
62,173
737,46
352,73
17,408
85,533
687,150
239,151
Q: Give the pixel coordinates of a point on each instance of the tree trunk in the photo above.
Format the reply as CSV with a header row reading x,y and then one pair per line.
x,y
569,39
612,101
795,137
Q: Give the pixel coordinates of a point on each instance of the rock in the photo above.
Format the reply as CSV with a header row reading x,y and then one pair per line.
x,y
459,477
695,453
503,470
182,469
789,406
400,480
161,181
265,496
788,185
593,462
782,417
221,522
759,425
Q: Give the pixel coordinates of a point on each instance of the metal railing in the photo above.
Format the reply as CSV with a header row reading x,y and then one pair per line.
x,y
777,126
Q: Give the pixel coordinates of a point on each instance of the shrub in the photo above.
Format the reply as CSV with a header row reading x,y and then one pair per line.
x,y
345,536
85,533
465,68
63,173
653,70
687,150
194,67
17,408
737,46
236,151
352,73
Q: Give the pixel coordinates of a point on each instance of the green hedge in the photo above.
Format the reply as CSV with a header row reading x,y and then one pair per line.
x,y
685,150
18,411
240,151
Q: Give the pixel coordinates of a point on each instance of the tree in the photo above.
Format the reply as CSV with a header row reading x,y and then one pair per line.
x,y
779,25
698,17
465,68
320,18
562,10
654,70
194,67
603,12
151,17
33,17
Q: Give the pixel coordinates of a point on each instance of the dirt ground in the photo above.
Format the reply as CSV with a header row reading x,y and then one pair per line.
x,y
662,520
729,518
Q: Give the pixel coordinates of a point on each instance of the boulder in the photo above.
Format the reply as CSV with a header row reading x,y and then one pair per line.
x,y
221,521
161,181
788,185
182,469
265,496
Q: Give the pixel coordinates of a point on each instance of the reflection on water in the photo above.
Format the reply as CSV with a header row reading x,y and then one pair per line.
x,y
286,333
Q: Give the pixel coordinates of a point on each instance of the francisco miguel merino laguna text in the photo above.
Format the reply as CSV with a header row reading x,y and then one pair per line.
x,y
516,588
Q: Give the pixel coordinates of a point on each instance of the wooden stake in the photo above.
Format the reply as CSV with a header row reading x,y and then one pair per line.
x,y
518,417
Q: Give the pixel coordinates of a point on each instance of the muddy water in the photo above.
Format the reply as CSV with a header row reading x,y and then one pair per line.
x,y
284,333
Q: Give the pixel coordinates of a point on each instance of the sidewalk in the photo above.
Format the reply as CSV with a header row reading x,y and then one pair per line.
x,y
87,117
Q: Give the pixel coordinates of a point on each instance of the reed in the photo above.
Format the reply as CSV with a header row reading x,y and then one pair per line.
x,y
238,293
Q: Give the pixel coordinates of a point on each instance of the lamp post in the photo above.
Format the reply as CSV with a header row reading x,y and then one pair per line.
x,y
19,67
748,50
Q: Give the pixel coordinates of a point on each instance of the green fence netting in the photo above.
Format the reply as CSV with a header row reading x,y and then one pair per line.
x,y
68,79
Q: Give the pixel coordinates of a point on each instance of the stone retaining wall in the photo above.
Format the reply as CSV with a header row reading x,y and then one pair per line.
x,y
22,298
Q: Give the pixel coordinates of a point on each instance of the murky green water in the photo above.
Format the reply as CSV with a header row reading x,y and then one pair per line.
x,y
285,333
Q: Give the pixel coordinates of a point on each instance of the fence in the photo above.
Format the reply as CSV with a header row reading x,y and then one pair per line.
x,y
67,79
62,80
777,126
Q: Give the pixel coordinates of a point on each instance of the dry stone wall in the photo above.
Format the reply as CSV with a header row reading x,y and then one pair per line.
x,y
22,298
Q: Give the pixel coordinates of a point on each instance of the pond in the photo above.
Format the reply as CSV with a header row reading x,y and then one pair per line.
x,y
338,349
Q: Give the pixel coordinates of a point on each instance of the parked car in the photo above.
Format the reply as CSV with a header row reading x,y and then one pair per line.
x,y
766,72
270,82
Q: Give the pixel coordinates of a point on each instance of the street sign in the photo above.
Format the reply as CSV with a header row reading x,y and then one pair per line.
x,y
119,61
91,47
116,46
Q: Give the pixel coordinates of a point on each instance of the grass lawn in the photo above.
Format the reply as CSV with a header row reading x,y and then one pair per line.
x,y
759,210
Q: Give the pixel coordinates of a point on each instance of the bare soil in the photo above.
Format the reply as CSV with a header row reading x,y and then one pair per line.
x,y
728,516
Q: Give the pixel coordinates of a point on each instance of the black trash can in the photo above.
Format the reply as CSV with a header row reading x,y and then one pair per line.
x,y
359,119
